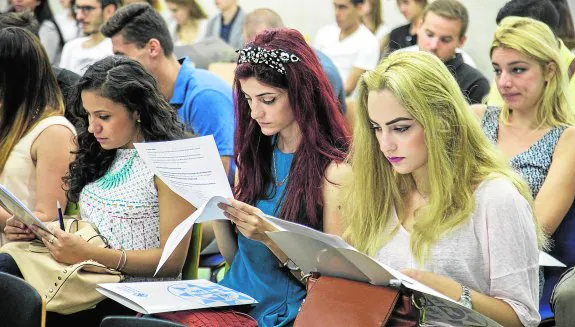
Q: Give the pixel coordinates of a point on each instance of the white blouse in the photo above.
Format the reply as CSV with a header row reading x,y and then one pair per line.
x,y
19,173
123,204
494,252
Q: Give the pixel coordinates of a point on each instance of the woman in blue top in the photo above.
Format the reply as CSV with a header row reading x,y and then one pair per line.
x,y
290,143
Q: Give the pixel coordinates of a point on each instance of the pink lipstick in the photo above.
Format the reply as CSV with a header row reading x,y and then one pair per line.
x,y
394,160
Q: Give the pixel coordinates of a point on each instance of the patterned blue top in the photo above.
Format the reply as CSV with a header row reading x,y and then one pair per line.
x,y
533,164
255,270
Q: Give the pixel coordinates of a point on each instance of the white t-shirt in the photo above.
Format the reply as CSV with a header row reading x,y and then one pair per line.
x,y
77,58
50,39
360,49
494,252
382,31
68,25
466,58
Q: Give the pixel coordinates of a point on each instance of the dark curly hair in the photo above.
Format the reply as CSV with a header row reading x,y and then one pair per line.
x,y
123,81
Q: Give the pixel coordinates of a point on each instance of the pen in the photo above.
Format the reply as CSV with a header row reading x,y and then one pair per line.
x,y
60,216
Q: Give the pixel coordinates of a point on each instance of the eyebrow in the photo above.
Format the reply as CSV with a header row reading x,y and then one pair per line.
x,y
518,62
398,119
261,94
514,63
101,111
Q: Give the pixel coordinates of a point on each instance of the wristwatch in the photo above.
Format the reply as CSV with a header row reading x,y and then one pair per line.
x,y
289,264
465,298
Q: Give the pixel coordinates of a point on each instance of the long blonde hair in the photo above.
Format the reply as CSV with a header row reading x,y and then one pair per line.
x,y
460,157
535,39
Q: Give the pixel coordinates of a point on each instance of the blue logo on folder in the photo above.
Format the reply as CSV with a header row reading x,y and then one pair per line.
x,y
208,294
133,291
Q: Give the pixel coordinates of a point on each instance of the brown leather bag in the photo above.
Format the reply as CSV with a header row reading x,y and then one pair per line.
x,y
338,302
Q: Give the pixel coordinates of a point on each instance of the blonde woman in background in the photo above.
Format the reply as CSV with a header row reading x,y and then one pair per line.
x,y
190,21
534,128
430,195
372,19
158,5
35,138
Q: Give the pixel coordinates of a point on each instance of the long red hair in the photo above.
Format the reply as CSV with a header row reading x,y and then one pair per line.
x,y
325,136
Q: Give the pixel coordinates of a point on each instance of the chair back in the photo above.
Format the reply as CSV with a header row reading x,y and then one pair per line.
x,y
190,270
207,51
224,70
127,321
22,306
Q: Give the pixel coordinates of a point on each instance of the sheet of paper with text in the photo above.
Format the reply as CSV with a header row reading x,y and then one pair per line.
x,y
192,168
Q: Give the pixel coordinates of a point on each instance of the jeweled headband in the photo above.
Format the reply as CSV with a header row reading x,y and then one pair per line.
x,y
273,58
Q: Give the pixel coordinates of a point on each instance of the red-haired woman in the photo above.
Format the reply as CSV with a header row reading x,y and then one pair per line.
x,y
290,144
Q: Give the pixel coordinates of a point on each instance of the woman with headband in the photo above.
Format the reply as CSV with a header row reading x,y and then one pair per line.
x,y
290,139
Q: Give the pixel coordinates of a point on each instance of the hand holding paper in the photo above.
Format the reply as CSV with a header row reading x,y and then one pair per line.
x,y
14,206
248,219
329,255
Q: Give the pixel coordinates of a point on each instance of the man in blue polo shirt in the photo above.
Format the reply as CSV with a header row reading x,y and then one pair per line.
x,y
203,100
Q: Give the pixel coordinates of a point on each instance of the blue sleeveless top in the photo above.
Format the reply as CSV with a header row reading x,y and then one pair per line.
x,y
533,165
255,269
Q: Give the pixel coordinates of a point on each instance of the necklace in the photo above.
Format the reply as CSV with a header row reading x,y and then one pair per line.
x,y
277,183
111,180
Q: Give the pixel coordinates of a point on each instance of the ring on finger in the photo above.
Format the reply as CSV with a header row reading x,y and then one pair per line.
x,y
51,240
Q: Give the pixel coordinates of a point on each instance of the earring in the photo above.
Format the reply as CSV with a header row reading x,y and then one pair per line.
x,y
138,120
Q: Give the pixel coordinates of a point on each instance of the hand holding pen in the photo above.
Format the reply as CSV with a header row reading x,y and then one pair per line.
x,y
60,215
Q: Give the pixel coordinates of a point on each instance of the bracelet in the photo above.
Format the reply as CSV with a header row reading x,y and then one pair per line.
x,y
125,260
122,261
465,298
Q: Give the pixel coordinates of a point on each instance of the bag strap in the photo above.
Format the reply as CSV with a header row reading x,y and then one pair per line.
x,y
311,280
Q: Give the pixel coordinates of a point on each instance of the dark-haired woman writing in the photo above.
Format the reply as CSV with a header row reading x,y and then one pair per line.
x,y
117,104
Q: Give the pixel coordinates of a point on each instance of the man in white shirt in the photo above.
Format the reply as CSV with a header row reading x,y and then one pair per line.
x,y
349,44
80,53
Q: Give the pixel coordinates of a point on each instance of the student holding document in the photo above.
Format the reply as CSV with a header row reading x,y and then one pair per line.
x,y
431,196
290,142
35,138
118,103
